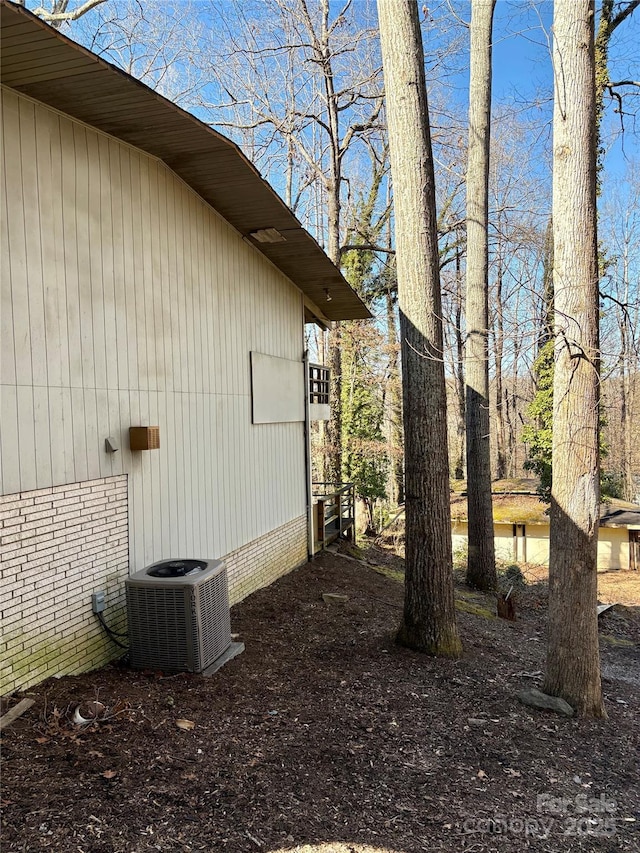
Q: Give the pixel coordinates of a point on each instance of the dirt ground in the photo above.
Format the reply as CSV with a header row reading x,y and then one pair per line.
x,y
326,737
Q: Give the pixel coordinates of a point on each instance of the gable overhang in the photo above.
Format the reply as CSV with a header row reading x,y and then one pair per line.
x,y
39,62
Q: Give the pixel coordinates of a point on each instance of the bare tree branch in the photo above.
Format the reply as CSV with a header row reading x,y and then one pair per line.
x,y
59,17
366,247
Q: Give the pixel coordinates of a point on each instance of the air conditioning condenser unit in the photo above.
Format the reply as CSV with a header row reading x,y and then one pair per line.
x,y
178,613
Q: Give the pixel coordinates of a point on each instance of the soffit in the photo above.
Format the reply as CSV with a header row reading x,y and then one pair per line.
x,y
39,62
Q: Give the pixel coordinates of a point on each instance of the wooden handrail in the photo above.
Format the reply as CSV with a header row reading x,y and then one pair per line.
x,y
336,503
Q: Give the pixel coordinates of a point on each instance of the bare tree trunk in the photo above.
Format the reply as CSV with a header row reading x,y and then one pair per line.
x,y
498,348
333,181
429,619
628,490
333,431
321,425
511,413
626,403
546,331
323,115
611,16
334,425
481,567
393,406
573,662
459,466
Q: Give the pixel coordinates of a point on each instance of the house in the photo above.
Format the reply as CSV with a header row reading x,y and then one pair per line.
x,y
521,528
155,401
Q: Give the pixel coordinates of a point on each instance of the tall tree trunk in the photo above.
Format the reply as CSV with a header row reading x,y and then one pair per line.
x,y
546,331
511,413
321,426
333,184
459,467
628,491
610,20
573,663
626,403
393,414
333,431
498,351
429,619
481,567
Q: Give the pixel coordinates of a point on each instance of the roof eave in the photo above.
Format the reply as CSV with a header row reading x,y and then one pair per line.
x,y
71,79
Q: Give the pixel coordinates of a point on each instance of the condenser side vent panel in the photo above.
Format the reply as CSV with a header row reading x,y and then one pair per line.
x,y
215,629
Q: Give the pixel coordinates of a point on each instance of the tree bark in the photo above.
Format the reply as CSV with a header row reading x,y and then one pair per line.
x,y
546,330
429,621
481,567
498,345
609,21
393,409
59,14
333,430
459,461
573,662
333,186
628,391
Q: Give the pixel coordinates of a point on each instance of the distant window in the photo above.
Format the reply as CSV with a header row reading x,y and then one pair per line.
x,y
319,378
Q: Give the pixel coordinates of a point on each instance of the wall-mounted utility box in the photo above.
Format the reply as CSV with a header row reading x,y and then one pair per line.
x,y
144,438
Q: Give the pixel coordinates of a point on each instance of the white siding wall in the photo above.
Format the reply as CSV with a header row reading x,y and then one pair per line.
x,y
613,548
127,301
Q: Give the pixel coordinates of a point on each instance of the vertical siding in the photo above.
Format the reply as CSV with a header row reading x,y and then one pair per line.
x,y
127,301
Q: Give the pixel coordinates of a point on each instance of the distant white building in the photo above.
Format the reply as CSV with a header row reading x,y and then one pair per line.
x,y
521,531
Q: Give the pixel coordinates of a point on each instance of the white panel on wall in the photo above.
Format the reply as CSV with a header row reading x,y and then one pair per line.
x,y
277,389
127,301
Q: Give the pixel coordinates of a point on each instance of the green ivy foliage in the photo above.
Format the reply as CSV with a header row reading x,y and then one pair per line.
x,y
538,434
365,454
365,459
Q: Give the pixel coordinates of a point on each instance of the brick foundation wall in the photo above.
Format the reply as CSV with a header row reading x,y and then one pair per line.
x,y
57,547
264,560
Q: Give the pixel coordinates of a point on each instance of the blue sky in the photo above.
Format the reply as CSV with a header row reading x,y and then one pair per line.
x,y
521,51
522,63
522,68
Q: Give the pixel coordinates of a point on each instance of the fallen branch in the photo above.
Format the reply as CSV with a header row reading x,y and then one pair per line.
x,y
15,712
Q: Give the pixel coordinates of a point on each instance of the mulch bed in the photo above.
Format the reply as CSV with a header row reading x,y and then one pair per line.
x,y
326,737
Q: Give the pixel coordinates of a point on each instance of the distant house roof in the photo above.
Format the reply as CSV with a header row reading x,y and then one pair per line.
x,y
39,62
507,509
514,503
620,515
